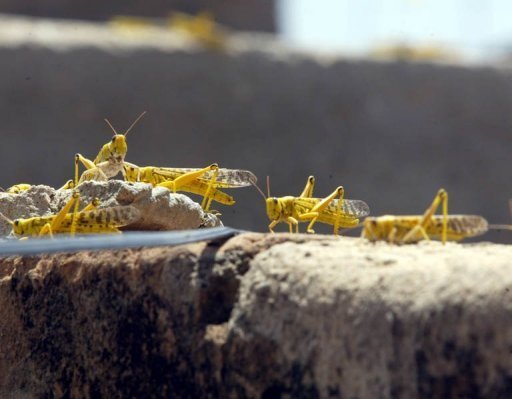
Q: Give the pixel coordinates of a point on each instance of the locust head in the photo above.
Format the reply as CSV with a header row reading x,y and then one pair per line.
x,y
274,205
19,226
116,149
274,208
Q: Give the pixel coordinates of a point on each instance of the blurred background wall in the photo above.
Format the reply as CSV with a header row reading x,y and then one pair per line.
x,y
254,15
391,131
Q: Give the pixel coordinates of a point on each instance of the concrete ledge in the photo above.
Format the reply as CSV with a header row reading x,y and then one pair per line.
x,y
260,316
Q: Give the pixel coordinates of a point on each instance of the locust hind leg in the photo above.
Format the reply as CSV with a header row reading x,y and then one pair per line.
x,y
392,235
69,185
308,189
421,228
96,174
59,218
320,207
93,205
413,235
339,209
445,217
188,178
209,195
46,230
74,215
88,164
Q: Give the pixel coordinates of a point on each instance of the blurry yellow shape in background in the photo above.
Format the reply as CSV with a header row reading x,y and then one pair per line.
x,y
202,27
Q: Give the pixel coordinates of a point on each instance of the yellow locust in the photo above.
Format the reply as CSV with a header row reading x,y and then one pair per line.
x,y
333,209
205,182
89,220
110,159
413,228
17,188
22,187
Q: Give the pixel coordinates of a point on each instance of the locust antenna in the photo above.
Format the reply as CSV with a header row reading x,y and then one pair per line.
x,y
112,127
6,218
259,190
268,186
503,226
500,226
134,123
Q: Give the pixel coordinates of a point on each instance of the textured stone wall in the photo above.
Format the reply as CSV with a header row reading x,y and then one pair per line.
x,y
391,133
259,316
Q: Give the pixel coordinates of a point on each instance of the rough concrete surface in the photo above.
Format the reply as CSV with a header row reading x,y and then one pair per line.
x,y
260,316
159,208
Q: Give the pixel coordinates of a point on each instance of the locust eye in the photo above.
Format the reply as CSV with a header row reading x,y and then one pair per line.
x,y
114,139
275,200
16,222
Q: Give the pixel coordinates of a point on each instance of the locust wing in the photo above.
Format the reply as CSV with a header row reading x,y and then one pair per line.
x,y
226,178
114,216
355,208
